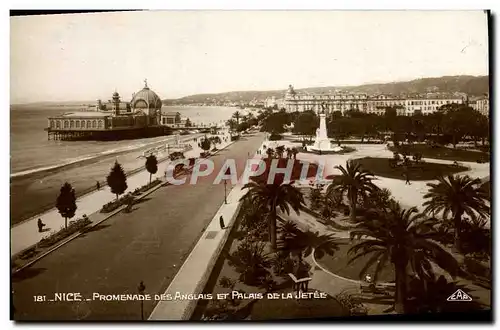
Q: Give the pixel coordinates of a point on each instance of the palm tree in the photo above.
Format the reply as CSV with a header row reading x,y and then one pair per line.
x,y
457,195
237,116
280,150
270,197
355,181
302,244
270,152
402,237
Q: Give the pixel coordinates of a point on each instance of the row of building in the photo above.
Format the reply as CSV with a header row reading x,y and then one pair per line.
x,y
376,104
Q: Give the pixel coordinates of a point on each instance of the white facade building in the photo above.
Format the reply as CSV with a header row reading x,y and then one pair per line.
x,y
375,104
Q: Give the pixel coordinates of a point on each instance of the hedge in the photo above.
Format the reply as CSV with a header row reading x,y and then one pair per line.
x,y
72,228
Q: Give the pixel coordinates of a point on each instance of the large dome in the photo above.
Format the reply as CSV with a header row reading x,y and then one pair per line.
x,y
146,99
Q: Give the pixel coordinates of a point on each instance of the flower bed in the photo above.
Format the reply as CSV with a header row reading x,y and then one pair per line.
x,y
111,206
146,187
72,228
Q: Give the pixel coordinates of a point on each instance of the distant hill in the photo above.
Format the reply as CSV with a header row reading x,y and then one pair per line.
x,y
471,85
53,104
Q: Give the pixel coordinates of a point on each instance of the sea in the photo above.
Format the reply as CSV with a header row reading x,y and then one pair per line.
x,y
40,166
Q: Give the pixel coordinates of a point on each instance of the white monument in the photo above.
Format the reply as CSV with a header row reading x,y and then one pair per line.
x,y
322,143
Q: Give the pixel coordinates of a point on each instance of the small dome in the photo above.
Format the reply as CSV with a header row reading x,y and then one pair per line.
x,y
146,99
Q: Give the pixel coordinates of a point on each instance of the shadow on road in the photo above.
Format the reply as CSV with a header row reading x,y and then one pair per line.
x,y
142,200
27,273
95,228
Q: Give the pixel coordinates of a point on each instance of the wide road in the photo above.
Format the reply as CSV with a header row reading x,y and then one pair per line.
x,y
149,244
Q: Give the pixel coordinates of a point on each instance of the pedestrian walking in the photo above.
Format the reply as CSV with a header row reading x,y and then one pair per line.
x,y
40,225
407,175
98,185
221,221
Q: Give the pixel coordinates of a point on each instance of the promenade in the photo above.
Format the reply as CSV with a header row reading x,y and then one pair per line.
x,y
26,234
149,244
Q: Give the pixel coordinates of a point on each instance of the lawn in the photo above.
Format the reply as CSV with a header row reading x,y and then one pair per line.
x,y
417,172
460,155
338,263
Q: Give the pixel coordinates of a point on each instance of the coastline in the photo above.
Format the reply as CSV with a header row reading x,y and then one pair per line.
x,y
41,188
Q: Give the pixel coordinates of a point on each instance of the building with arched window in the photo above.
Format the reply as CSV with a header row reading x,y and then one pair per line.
x,y
114,119
375,104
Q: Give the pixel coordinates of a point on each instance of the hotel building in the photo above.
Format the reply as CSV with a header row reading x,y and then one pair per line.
x,y
376,104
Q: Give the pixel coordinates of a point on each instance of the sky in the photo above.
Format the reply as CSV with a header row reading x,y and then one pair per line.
x,y
75,57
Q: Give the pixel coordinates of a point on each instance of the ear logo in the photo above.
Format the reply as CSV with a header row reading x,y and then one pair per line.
x,y
459,295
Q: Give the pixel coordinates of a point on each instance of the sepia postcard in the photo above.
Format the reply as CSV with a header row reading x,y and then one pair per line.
x,y
250,165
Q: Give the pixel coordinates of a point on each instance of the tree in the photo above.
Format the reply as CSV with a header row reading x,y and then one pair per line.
x,y
403,238
188,123
271,197
334,115
237,116
250,261
340,128
456,196
306,123
435,122
151,165
66,202
280,150
215,140
378,199
390,118
457,121
478,128
233,126
275,122
205,144
316,195
301,244
419,127
270,152
354,181
243,126
117,180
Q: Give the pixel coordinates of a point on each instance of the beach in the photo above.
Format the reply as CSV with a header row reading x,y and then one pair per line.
x,y
39,167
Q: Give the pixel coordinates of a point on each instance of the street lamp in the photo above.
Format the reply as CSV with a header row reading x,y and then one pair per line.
x,y
225,191
228,172
141,289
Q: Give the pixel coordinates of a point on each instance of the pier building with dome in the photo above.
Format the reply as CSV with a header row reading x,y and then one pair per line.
x,y
114,120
